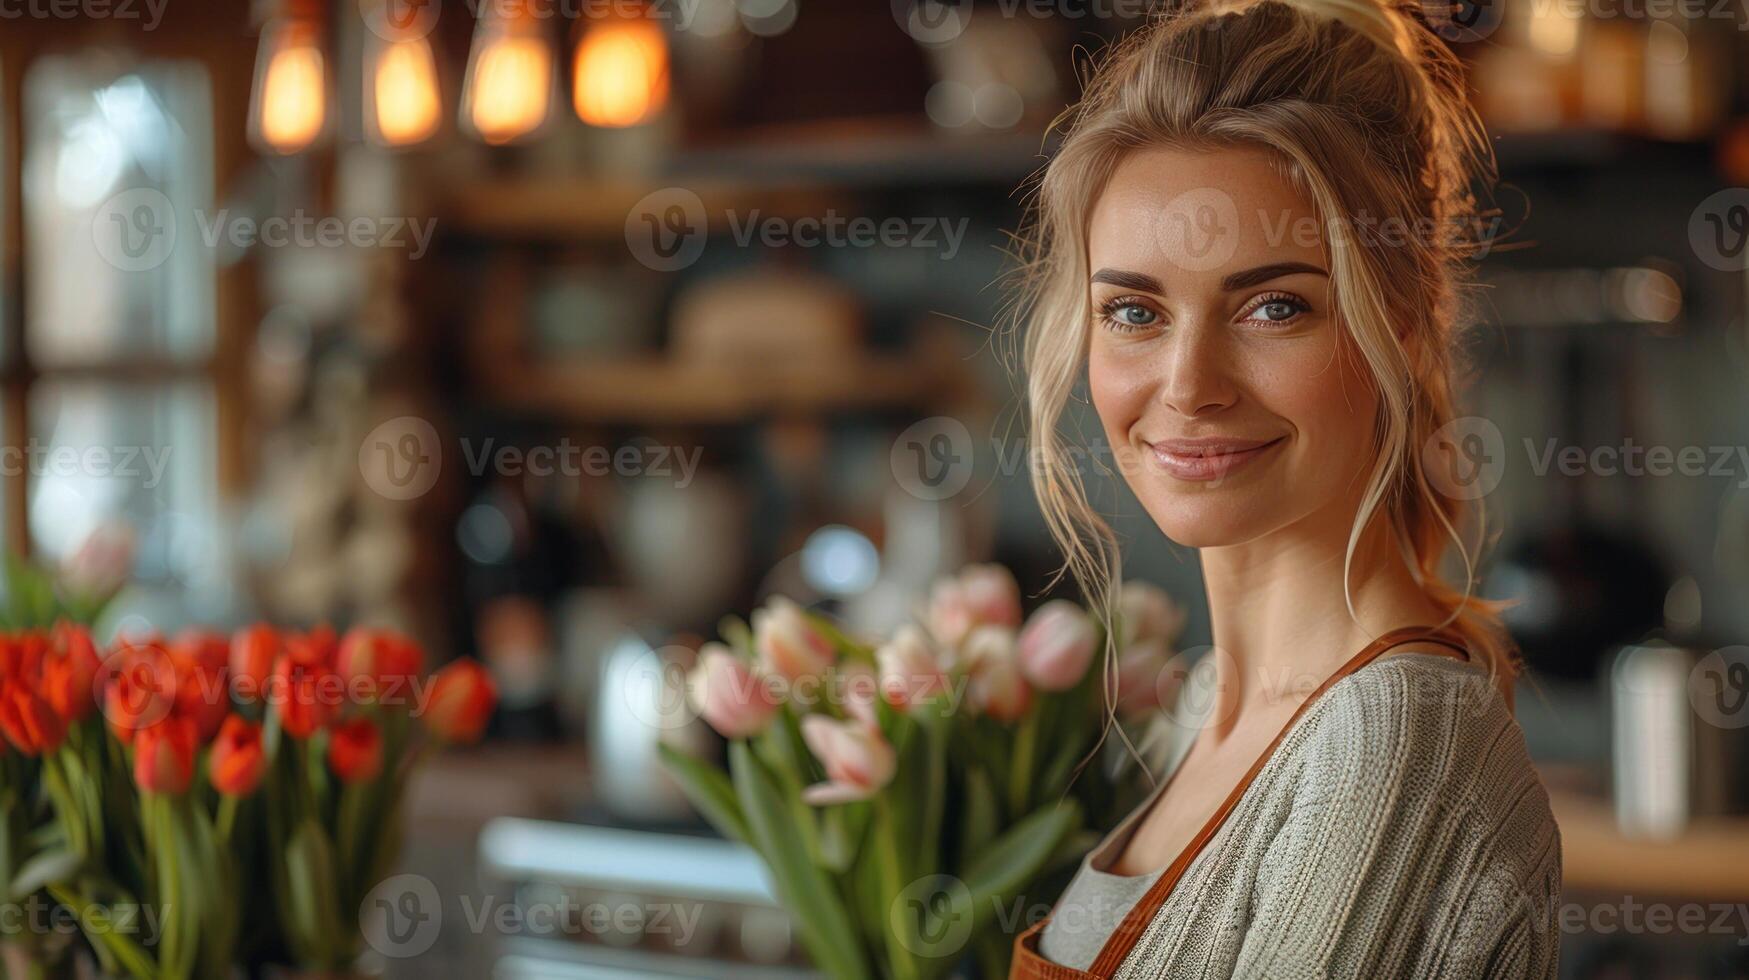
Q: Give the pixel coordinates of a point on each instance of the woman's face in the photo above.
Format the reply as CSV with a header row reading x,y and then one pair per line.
x,y
1234,406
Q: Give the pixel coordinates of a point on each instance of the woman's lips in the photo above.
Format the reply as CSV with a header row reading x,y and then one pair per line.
x,y
1204,460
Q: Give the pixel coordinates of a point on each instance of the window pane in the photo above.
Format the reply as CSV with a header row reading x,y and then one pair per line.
x,y
134,454
117,178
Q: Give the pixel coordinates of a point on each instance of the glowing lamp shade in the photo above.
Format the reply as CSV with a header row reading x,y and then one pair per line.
x,y
510,79
620,75
290,103
402,101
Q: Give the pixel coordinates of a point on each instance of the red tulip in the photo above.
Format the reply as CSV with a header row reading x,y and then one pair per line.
x,y
164,756
378,664
307,693
237,759
201,658
355,750
69,672
139,688
28,721
460,702
318,646
21,656
253,652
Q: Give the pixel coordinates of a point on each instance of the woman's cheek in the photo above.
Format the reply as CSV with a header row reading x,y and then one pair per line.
x,y
1113,388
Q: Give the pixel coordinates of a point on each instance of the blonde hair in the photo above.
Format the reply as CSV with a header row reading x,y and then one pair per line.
x,y
1363,106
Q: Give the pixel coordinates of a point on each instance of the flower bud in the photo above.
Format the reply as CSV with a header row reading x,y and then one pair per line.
x,y
355,750
460,702
727,694
238,758
858,760
1057,645
789,645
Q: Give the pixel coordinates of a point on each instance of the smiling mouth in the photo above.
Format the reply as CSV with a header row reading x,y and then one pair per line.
x,y
1206,460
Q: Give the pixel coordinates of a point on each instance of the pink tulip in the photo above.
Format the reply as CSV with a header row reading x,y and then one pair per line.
x,y
858,760
1057,645
910,670
1146,612
859,688
789,645
997,687
725,692
980,595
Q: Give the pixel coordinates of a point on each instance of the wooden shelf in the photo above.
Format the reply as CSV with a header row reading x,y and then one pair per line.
x,y
665,390
788,172
1709,862
573,207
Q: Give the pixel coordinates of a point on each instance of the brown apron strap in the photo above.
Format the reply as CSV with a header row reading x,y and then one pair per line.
x,y
1129,932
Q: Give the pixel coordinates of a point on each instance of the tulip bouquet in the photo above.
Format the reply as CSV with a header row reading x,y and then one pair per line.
x,y
907,794
146,784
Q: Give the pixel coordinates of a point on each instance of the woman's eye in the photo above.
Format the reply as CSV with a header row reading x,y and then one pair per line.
x,y
1130,315
1280,309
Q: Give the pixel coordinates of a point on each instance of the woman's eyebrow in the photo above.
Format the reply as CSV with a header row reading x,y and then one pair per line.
x,y
1264,273
1129,280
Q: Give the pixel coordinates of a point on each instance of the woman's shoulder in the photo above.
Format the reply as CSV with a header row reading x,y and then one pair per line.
x,y
1414,716
1424,741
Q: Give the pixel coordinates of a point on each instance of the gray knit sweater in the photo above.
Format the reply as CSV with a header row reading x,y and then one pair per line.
x,y
1398,831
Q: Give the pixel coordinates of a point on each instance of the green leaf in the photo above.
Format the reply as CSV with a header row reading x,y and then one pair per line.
x,y
978,822
93,921
709,790
1015,859
49,867
311,883
826,928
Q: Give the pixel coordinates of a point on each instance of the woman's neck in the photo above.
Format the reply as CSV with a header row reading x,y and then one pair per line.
x,y
1280,618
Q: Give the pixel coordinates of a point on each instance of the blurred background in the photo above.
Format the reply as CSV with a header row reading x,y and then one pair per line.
x,y
554,330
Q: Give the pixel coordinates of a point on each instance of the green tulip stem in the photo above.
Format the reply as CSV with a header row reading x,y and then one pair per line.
x,y
1020,772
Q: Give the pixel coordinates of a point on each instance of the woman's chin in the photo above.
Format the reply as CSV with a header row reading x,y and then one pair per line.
x,y
1205,523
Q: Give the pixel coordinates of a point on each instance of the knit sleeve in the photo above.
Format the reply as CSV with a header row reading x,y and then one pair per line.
x,y
1419,841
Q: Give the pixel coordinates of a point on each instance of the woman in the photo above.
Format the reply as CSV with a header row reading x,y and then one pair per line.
x,y
1250,242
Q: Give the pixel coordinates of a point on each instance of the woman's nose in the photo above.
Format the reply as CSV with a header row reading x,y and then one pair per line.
x,y
1194,374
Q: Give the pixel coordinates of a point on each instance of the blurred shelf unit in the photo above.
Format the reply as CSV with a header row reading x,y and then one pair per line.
x,y
867,152
579,208
1710,861
660,389
783,172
